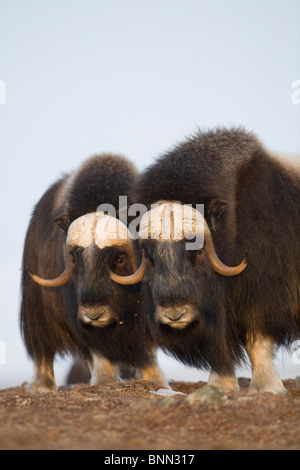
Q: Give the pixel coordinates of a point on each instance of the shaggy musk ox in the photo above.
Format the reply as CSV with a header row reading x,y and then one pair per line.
x,y
208,305
75,306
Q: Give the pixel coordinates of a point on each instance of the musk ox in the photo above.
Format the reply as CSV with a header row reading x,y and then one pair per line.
x,y
207,306
71,305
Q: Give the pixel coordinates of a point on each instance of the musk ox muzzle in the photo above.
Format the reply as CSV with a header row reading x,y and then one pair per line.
x,y
95,315
175,221
99,228
176,316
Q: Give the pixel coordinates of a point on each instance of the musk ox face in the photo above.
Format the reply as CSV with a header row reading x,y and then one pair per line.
x,y
173,274
100,300
98,247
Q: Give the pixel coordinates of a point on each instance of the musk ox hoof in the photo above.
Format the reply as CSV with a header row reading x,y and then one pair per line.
x,y
228,383
103,380
42,386
276,388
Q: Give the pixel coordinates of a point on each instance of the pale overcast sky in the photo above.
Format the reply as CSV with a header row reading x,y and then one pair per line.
x,y
130,76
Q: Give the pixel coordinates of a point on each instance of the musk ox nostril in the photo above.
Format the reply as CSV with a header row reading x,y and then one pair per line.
x,y
173,314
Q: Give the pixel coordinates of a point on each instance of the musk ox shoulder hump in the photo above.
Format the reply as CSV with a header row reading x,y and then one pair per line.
x,y
203,161
94,183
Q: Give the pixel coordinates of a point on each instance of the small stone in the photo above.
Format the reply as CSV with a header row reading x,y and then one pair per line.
x,y
166,392
24,402
296,383
169,402
207,395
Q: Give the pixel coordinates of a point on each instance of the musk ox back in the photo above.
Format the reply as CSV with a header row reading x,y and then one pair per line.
x,y
71,304
205,316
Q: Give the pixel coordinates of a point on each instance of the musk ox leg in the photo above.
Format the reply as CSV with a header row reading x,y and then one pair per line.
x,y
102,371
43,380
153,373
264,375
228,383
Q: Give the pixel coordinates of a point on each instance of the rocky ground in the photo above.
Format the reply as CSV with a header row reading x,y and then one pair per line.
x,y
128,415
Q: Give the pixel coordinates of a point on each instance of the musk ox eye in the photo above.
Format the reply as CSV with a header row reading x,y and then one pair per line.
x,y
200,251
147,257
121,259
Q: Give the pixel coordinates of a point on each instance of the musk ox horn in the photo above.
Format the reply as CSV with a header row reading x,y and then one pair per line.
x,y
80,233
111,231
134,278
97,227
175,221
105,236
217,264
59,281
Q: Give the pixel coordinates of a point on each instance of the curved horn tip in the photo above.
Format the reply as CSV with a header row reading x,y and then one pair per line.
x,y
244,263
59,281
33,276
241,267
130,280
